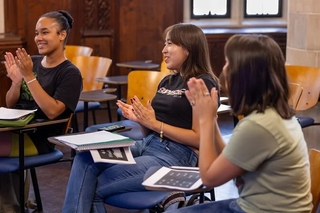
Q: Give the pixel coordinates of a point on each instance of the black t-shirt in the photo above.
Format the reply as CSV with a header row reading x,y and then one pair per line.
x,y
63,83
171,104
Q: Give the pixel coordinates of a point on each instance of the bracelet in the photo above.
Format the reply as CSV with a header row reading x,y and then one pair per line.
x,y
161,131
29,82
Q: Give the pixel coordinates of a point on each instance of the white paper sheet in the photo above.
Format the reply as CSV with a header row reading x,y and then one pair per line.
x,y
11,114
91,138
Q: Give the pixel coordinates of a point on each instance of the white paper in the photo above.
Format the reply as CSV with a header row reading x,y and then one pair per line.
x,y
177,179
224,99
10,114
91,138
224,108
121,155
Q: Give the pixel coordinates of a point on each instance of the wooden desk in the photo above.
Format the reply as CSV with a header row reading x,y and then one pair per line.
x,y
94,96
116,80
139,65
31,127
119,80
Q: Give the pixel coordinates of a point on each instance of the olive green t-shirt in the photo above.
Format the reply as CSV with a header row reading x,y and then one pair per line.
x,y
274,154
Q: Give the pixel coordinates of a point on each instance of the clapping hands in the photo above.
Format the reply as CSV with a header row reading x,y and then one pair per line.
x,y
12,69
144,115
18,67
204,104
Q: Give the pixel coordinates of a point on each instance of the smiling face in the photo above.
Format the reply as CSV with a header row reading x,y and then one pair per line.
x,y
174,55
48,37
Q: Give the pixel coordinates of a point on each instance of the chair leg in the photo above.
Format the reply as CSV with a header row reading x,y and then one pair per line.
x,y
201,197
94,117
36,189
109,111
212,195
75,123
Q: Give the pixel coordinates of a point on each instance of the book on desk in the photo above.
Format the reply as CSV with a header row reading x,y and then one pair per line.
x,y
95,140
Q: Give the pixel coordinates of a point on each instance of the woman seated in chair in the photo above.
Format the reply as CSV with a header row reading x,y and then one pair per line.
x,y
267,147
49,83
171,133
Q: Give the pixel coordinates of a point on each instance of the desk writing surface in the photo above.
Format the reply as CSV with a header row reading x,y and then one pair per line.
x,y
93,96
96,96
35,124
117,80
141,65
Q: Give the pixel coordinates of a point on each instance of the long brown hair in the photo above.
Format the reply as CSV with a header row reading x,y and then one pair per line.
x,y
256,75
193,39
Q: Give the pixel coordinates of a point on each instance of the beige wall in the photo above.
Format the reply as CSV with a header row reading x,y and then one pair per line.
x,y
303,38
1,17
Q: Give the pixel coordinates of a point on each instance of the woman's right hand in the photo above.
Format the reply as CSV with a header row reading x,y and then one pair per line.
x,y
127,111
12,69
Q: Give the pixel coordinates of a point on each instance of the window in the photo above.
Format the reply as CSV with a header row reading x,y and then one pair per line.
x,y
236,13
262,8
210,9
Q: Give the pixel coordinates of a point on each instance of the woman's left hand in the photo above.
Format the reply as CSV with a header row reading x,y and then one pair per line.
x,y
145,115
204,103
25,64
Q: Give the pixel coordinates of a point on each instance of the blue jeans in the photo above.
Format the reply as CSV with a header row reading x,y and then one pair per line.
x,y
91,183
222,206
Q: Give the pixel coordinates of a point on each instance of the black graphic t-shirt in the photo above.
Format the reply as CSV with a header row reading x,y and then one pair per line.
x,y
170,102
63,83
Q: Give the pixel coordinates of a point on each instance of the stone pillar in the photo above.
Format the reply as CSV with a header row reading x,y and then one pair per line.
x,y
303,37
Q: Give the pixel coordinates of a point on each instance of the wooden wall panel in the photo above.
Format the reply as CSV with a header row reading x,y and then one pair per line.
x,y
141,24
29,13
218,37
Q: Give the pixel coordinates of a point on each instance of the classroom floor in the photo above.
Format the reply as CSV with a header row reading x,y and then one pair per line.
x,y
53,178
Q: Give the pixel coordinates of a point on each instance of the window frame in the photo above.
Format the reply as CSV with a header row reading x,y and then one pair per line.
x,y
279,15
227,15
237,19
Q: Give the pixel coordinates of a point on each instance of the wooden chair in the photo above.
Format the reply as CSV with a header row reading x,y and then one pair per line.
x,y
163,67
308,78
314,157
91,67
144,85
75,50
295,94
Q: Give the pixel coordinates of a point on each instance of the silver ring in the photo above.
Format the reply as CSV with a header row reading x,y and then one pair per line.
x,y
206,94
192,103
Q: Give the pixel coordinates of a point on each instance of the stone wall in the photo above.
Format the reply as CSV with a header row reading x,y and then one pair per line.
x,y
303,37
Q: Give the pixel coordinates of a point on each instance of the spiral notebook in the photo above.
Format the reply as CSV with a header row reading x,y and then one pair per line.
x,y
95,140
